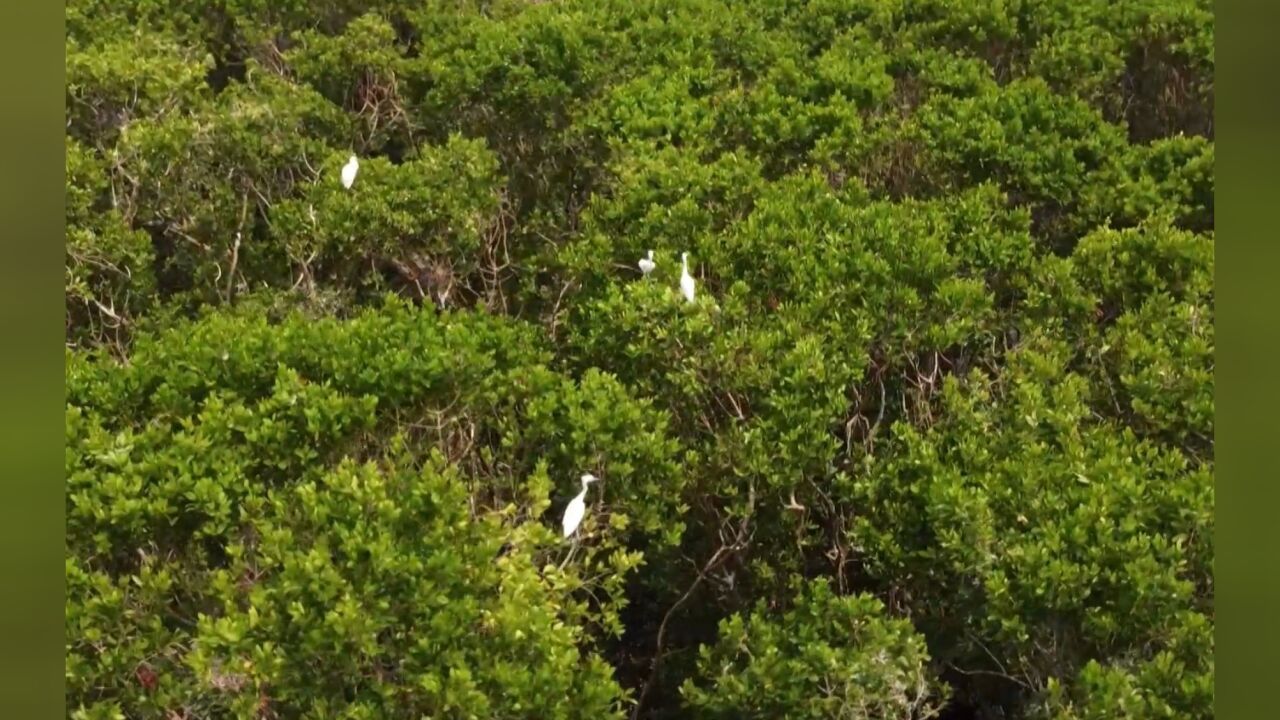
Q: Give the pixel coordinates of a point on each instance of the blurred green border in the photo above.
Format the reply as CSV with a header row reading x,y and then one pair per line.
x,y
31,429
1247,287
31,418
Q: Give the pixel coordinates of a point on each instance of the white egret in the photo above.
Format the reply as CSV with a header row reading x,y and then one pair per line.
x,y
686,280
647,264
349,172
577,506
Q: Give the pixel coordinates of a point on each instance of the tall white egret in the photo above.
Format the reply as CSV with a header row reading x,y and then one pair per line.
x,y
577,507
647,264
686,280
349,172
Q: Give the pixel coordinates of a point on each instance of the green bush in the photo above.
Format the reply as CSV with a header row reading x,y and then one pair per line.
x,y
203,181
123,80
425,222
1152,287
1065,543
947,383
109,269
826,656
206,461
366,590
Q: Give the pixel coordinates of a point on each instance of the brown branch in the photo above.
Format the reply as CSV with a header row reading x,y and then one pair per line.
x,y
555,311
718,558
231,273
235,249
991,673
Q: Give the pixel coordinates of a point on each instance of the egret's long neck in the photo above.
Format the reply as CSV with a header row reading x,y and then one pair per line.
x,y
684,263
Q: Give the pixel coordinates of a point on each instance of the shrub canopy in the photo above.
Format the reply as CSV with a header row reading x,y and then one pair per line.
x,y
936,435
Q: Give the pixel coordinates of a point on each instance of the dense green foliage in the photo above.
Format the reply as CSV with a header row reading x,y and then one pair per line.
x,y
935,439
828,657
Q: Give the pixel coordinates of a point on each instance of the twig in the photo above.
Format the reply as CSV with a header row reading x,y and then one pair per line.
x,y
1003,671
231,274
235,249
991,673
555,311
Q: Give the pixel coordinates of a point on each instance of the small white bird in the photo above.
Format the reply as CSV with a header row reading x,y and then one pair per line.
x,y
686,280
577,506
349,172
647,264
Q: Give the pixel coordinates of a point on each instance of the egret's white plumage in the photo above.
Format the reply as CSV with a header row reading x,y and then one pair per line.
x,y
686,280
349,172
647,264
577,507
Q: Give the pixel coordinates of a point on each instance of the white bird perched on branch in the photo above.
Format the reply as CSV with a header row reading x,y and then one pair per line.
x,y
647,264
686,280
577,507
349,172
